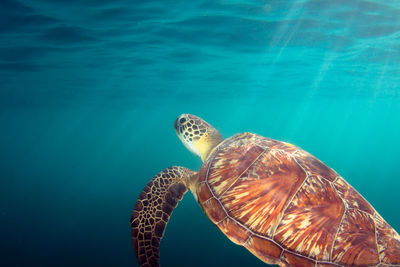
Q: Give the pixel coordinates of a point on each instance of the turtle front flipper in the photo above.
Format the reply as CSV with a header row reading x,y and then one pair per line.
x,y
153,208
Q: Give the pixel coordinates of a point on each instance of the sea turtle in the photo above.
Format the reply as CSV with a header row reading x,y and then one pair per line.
x,y
278,201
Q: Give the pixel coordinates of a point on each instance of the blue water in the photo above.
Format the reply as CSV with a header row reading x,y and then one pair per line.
x,y
89,91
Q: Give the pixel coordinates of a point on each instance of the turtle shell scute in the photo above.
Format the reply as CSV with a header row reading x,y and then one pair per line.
x,y
288,208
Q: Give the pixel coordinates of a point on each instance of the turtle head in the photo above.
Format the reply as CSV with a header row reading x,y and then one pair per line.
x,y
197,135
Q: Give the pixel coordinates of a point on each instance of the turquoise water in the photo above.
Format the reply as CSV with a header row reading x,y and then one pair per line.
x,y
90,91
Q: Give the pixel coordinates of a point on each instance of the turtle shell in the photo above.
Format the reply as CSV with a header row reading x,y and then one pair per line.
x,y
288,208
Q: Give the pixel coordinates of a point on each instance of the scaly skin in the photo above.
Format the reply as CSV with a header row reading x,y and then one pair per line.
x,y
153,208
278,201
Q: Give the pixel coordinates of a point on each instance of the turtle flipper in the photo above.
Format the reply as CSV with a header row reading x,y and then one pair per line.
x,y
153,208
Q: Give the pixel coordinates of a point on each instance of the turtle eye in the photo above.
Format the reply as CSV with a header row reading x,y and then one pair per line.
x,y
182,120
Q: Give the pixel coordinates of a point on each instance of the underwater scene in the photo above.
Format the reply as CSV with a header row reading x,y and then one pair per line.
x,y
90,91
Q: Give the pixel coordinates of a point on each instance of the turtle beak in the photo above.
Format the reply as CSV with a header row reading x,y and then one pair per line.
x,y
179,123
176,127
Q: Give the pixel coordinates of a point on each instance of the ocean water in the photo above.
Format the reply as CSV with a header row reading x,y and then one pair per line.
x,y
90,89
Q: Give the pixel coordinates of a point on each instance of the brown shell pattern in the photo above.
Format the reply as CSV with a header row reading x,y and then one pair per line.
x,y
288,208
